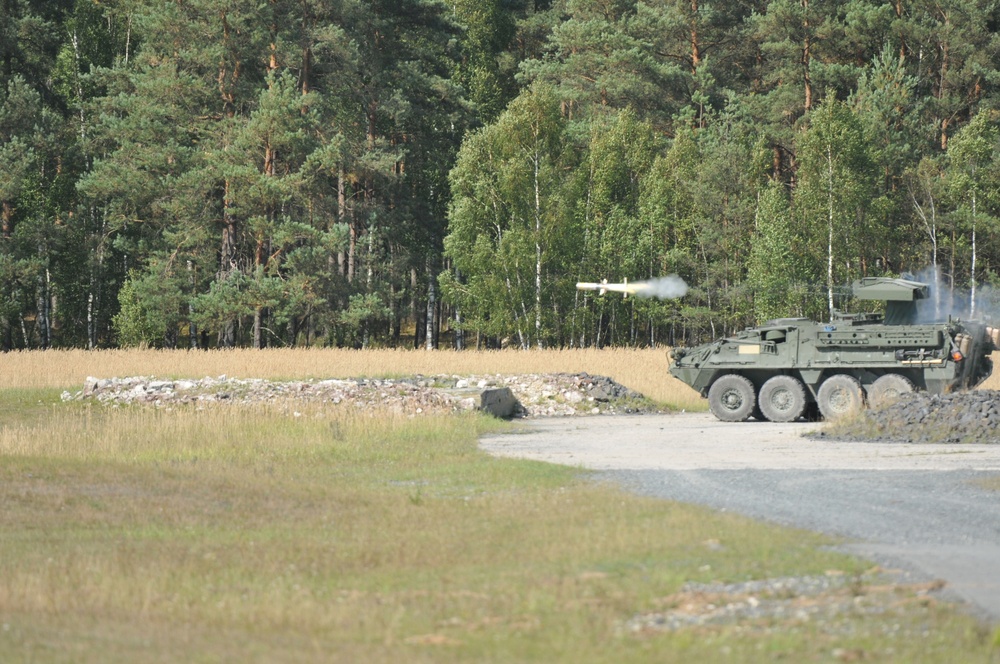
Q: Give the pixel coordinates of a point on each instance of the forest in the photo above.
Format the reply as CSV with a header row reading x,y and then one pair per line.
x,y
431,173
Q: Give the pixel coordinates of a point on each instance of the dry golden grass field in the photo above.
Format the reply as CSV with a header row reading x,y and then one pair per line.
x,y
642,370
273,533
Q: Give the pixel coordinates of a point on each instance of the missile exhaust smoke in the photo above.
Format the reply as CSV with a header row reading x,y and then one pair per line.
x,y
670,287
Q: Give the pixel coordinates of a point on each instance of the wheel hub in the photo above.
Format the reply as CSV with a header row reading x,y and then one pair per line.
x,y
782,400
732,400
840,400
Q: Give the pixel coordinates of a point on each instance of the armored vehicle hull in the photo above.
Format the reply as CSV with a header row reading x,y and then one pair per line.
x,y
791,368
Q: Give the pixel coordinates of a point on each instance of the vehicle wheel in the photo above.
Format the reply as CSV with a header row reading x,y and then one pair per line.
x,y
731,398
840,395
888,388
782,399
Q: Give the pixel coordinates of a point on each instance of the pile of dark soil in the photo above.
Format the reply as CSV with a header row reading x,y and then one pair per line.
x,y
963,417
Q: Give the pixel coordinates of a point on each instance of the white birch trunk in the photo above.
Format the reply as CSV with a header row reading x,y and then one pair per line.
x,y
431,308
829,221
972,298
192,328
520,333
538,256
90,321
79,85
929,217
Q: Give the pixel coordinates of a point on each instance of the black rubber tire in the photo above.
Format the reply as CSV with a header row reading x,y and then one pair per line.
x,y
782,399
888,388
840,395
732,398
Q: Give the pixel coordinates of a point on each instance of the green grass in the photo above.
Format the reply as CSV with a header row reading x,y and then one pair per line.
x,y
249,534
29,406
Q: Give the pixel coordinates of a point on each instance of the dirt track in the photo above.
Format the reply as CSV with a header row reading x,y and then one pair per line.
x,y
916,506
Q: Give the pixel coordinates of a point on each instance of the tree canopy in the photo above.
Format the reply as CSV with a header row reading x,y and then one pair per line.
x,y
217,173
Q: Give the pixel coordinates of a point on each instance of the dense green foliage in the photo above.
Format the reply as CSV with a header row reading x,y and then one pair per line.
x,y
387,172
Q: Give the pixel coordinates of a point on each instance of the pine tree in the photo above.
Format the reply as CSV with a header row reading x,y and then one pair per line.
x,y
956,55
489,30
600,60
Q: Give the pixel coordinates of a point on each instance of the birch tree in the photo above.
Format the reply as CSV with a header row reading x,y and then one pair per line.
x,y
507,219
924,186
774,268
972,163
836,188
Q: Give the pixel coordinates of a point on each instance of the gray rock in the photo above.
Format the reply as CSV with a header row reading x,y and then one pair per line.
x,y
499,402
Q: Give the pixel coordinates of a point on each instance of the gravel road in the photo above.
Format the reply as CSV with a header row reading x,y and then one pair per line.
x,y
918,507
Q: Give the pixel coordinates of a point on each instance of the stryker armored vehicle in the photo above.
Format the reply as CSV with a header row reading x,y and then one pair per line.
x,y
792,367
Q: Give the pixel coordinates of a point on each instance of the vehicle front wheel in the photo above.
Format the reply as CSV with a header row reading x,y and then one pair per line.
x,y
840,395
782,399
732,398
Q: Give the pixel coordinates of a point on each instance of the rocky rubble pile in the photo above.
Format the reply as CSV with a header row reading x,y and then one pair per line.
x,y
771,604
962,417
539,395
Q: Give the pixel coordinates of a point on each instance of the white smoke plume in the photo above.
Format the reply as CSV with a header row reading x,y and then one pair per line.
x,y
670,287
945,302
940,304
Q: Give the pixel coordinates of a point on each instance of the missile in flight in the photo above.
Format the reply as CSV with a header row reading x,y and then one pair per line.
x,y
625,287
665,288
